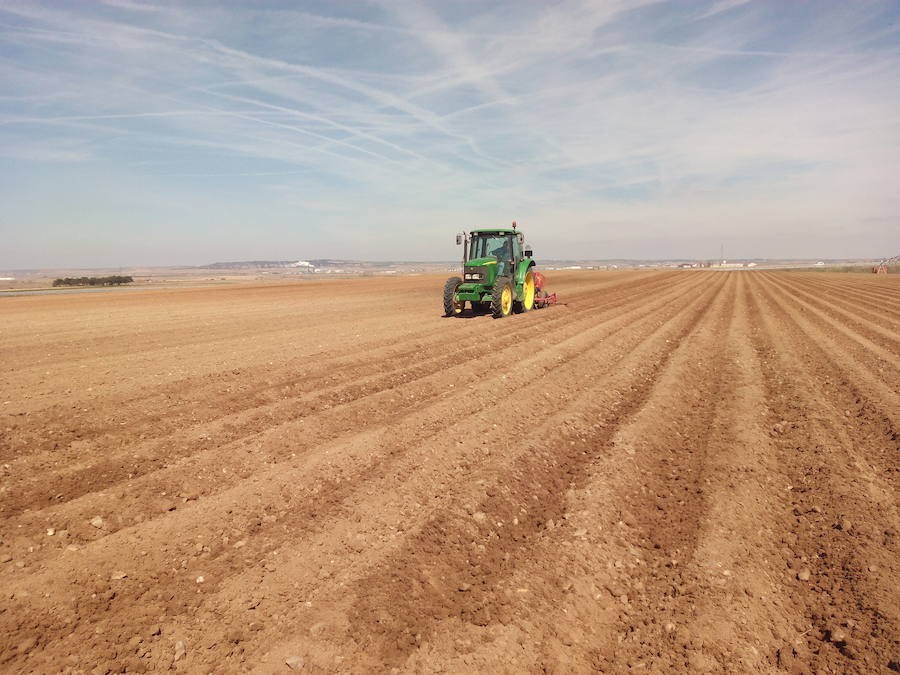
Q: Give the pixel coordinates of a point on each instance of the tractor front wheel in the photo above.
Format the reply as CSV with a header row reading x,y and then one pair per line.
x,y
502,298
452,306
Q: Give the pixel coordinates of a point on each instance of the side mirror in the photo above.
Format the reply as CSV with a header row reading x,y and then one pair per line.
x,y
459,240
528,252
521,237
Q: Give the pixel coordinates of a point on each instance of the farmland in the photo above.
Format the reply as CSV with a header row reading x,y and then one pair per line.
x,y
677,471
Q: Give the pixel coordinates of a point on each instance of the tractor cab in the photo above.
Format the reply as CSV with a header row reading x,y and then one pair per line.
x,y
500,247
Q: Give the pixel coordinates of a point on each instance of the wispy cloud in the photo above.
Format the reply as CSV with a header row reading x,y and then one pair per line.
x,y
610,124
54,150
722,6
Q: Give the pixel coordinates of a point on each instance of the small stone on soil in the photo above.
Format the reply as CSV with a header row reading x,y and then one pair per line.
x,y
837,636
97,522
294,662
179,650
804,574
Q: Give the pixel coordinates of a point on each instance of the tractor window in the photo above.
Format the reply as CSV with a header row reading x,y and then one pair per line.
x,y
497,245
517,248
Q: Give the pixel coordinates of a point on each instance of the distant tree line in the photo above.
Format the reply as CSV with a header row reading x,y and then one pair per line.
x,y
94,281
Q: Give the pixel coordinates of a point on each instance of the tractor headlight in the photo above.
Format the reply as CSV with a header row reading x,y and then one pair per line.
x,y
475,274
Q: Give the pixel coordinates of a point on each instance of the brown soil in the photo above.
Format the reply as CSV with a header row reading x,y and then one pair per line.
x,y
674,471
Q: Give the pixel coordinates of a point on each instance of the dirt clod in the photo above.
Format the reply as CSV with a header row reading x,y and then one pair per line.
x,y
295,662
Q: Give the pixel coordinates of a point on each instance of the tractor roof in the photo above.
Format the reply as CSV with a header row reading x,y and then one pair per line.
x,y
504,230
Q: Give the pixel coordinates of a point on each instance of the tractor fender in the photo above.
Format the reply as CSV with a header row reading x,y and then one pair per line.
x,y
521,271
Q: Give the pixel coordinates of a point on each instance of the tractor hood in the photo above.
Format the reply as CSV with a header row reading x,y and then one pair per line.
x,y
474,262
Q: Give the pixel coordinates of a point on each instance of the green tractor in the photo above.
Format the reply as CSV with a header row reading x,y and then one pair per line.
x,y
498,275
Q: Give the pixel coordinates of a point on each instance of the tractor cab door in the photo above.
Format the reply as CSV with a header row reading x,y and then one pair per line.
x,y
508,253
516,249
513,247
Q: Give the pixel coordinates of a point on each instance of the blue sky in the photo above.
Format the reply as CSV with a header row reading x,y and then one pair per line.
x,y
137,133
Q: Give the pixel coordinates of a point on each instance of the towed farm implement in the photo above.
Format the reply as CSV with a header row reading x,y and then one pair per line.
x,y
498,275
884,266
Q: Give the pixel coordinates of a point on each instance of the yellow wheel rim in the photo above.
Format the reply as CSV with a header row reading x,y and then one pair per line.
x,y
528,302
506,300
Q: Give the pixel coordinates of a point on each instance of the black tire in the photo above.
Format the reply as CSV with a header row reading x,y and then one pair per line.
x,y
450,307
497,297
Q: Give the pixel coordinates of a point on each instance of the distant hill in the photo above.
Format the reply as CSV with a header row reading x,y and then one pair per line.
x,y
245,264
269,264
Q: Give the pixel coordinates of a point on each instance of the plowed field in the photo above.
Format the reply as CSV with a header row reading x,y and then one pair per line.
x,y
675,471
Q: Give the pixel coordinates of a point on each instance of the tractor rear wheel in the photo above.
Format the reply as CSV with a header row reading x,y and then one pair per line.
x,y
452,306
502,298
526,304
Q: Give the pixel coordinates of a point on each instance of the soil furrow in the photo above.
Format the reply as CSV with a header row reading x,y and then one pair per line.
x,y
356,401
883,297
883,342
317,490
880,312
233,395
843,543
674,472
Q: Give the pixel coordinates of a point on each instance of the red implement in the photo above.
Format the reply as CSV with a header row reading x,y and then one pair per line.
x,y
541,299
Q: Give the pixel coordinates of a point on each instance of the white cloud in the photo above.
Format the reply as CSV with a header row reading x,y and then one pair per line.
x,y
612,121
723,6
